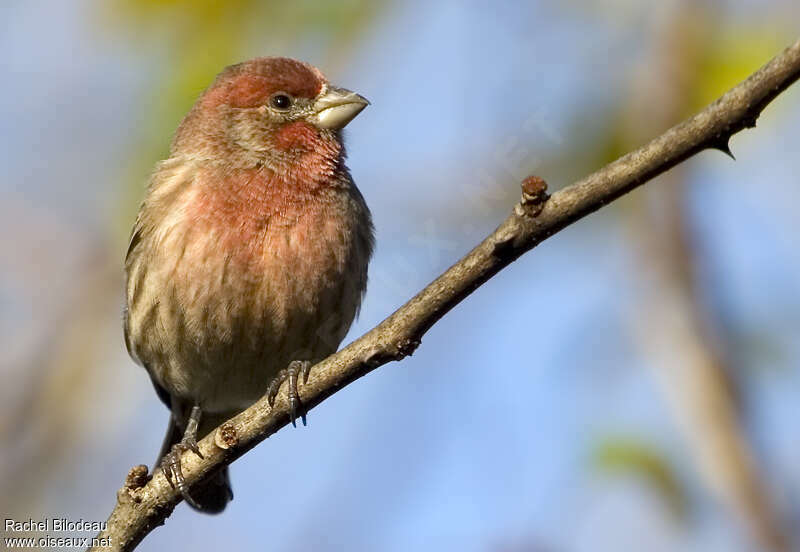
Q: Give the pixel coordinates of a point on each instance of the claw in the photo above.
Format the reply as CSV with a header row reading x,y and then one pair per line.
x,y
275,385
294,399
290,374
171,463
191,444
305,371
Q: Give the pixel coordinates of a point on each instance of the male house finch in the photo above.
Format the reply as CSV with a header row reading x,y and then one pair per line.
x,y
248,259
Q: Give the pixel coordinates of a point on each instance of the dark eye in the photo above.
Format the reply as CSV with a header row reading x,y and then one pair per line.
x,y
280,101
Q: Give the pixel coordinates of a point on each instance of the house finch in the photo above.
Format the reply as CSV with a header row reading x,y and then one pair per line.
x,y
248,259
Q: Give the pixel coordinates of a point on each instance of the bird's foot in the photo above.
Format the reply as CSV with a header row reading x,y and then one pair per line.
x,y
171,463
296,368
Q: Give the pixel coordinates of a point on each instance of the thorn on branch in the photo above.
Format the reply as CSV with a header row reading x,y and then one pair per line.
x,y
534,195
722,143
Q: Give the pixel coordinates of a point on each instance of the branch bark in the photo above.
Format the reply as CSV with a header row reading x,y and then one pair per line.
x,y
143,506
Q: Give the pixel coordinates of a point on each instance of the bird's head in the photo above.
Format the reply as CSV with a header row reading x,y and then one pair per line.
x,y
273,111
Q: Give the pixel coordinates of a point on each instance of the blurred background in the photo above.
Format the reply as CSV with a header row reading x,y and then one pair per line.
x,y
633,383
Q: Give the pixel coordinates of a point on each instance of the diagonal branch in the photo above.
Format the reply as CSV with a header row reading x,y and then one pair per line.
x,y
143,506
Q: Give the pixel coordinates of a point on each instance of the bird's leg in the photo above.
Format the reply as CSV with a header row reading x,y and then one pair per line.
x,y
289,374
171,463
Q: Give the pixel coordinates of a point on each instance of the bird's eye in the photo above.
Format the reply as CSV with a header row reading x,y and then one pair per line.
x,y
280,101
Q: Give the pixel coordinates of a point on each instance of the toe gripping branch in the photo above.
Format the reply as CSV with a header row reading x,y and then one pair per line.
x,y
289,374
171,463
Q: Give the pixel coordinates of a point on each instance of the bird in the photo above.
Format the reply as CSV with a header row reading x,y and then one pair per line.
x,y
247,262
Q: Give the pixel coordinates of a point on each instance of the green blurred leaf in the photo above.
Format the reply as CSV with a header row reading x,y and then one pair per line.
x,y
632,457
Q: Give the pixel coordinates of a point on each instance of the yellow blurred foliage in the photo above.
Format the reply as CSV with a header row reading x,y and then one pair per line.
x,y
628,456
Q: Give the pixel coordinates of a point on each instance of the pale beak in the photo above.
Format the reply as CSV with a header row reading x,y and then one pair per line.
x,y
337,107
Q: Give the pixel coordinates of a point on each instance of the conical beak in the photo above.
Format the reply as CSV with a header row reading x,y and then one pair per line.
x,y
337,107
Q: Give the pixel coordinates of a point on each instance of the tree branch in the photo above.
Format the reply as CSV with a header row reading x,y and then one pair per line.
x,y
142,507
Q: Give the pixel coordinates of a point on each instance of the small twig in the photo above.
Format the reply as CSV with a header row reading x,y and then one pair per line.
x,y
534,219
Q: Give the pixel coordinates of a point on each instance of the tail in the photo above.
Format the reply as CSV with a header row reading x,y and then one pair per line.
x,y
214,493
